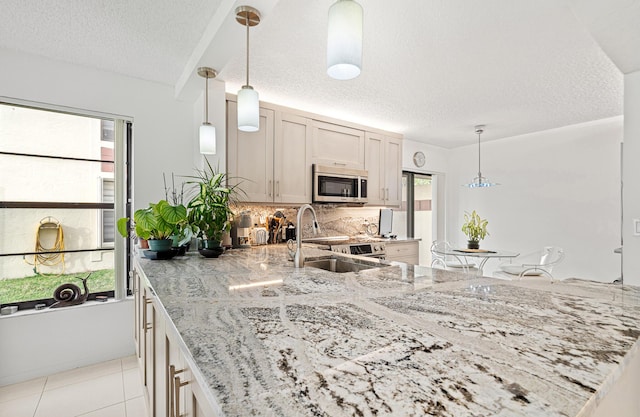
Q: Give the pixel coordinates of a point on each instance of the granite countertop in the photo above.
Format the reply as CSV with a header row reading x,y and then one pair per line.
x,y
398,340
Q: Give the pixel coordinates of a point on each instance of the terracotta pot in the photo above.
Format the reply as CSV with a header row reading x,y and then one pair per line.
x,y
144,244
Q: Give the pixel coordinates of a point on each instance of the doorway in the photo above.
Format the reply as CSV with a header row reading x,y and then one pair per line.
x,y
415,217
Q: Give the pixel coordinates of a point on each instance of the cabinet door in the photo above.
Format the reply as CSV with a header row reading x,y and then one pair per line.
x,y
250,155
185,396
291,155
159,371
137,312
393,171
148,347
374,165
337,145
177,375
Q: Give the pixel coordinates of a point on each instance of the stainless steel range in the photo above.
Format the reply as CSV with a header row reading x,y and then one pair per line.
x,y
373,250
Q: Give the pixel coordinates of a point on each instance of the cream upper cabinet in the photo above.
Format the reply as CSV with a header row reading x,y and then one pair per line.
x,y
393,171
384,164
249,155
291,156
336,145
271,164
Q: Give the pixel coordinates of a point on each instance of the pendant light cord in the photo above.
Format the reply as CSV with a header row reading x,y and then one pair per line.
x,y
206,99
247,24
479,172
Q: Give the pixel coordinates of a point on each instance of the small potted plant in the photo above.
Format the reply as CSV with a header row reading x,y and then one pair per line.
x,y
209,209
181,234
156,223
475,228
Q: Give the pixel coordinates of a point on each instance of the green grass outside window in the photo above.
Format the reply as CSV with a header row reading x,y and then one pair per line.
x,y
38,287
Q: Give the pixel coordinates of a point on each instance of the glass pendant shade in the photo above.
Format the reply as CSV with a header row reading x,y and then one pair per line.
x,y
344,40
248,109
207,139
207,130
480,181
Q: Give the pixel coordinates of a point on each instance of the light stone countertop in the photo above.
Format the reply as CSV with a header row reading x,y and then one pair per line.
x,y
395,341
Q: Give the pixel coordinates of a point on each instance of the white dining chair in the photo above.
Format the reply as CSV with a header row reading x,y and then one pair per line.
x,y
549,257
442,256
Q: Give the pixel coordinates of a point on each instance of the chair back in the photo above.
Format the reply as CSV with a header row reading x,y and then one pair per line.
x,y
440,247
438,250
551,256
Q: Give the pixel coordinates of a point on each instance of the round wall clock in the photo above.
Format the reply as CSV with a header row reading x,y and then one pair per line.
x,y
419,159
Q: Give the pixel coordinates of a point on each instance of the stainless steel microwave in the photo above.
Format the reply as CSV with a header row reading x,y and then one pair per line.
x,y
339,185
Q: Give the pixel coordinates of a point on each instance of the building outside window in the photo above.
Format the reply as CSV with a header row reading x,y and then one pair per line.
x,y
57,203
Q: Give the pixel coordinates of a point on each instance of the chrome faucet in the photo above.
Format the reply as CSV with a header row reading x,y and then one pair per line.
x,y
298,258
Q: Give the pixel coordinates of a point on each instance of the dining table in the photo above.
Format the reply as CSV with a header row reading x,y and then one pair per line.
x,y
481,255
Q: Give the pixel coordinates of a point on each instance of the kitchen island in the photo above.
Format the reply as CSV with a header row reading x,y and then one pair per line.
x,y
271,340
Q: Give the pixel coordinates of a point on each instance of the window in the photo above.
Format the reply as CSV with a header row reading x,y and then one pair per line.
x,y
55,227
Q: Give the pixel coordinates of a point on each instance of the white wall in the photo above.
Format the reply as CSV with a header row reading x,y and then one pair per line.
x,y
45,342
559,187
631,175
164,141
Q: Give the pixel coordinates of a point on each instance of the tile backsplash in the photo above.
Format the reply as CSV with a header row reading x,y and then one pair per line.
x,y
333,220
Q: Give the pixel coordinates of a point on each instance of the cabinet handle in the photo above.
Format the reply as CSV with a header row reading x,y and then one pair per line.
x,y
269,188
277,188
144,312
172,390
176,386
145,325
340,163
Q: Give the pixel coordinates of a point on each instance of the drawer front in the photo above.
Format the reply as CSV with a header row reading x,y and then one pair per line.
x,y
402,249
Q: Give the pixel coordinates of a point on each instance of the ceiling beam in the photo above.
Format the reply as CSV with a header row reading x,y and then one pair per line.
x,y
220,42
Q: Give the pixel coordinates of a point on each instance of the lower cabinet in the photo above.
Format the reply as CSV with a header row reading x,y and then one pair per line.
x,y
403,251
170,387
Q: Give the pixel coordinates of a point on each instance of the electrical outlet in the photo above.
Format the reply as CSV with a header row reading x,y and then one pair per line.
x,y
636,227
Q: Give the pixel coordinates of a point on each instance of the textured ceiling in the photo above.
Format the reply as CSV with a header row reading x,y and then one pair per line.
x,y
148,39
431,69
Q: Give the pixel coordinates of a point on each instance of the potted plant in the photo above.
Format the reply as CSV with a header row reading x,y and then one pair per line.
x,y
182,232
156,223
475,228
209,208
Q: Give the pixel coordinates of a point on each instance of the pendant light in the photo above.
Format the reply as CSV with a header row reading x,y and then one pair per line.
x,y
248,101
480,181
207,130
344,40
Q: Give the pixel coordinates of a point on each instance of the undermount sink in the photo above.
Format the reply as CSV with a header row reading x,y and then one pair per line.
x,y
337,265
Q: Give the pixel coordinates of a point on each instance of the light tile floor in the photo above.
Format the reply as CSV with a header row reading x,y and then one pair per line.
x,y
108,389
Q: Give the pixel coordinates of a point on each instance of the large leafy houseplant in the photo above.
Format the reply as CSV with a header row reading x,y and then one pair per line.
x,y
475,228
209,208
159,221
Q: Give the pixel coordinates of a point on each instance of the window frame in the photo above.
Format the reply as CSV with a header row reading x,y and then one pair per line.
x,y
122,177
